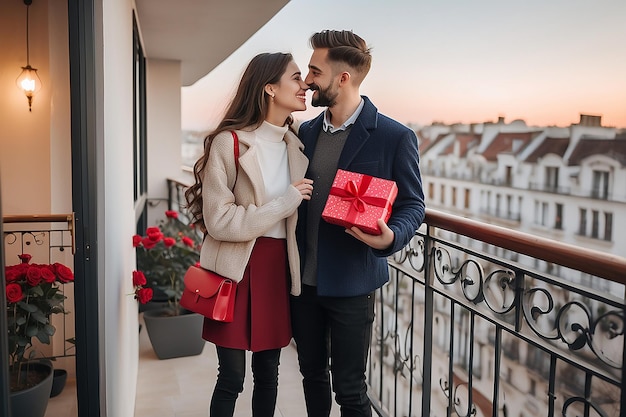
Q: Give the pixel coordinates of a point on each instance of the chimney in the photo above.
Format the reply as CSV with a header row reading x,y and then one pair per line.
x,y
590,120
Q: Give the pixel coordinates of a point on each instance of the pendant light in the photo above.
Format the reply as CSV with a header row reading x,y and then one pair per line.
x,y
28,81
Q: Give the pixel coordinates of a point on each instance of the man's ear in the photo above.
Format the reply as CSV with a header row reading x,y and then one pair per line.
x,y
344,78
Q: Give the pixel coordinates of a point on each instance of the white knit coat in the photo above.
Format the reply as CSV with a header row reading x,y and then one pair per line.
x,y
235,217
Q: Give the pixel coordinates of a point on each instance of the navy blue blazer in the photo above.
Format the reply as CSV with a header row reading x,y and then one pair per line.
x,y
378,146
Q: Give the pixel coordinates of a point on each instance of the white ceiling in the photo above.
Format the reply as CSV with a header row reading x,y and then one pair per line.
x,y
200,33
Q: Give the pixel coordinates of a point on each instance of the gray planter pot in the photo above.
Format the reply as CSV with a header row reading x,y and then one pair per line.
x,y
174,336
32,402
58,382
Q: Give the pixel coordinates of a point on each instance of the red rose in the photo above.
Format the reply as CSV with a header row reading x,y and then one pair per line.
x,y
33,276
19,270
25,258
188,241
47,274
11,275
14,292
155,236
143,295
148,243
64,274
139,278
154,233
172,214
169,242
136,241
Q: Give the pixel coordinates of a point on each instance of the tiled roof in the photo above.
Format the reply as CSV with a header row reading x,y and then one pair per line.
x,y
448,150
556,146
429,144
466,142
422,142
613,148
503,143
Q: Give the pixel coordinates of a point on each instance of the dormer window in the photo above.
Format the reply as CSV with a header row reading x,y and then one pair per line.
x,y
600,187
552,179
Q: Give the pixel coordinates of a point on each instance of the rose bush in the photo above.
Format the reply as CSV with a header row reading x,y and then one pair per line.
x,y
33,294
143,294
165,253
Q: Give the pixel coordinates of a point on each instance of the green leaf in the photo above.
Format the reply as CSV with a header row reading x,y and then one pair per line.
x,y
40,317
37,291
31,331
49,329
43,337
27,307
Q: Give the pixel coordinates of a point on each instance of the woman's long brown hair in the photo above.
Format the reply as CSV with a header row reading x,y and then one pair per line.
x,y
248,109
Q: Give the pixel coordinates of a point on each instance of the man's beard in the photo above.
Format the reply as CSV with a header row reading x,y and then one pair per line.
x,y
325,96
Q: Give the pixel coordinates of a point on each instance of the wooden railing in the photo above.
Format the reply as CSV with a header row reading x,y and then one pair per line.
x,y
46,218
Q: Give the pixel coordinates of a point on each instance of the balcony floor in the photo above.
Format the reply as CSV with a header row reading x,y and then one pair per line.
x,y
182,387
185,385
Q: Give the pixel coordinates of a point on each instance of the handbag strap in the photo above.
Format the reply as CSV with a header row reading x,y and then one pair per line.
x,y
236,150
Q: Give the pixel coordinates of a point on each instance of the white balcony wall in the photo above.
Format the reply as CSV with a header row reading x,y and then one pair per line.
x,y
60,119
25,137
116,211
164,129
35,146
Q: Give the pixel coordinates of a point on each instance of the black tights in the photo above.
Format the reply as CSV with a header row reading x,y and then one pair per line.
x,y
230,377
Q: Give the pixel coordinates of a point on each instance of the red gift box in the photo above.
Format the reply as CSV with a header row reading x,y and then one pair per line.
x,y
359,200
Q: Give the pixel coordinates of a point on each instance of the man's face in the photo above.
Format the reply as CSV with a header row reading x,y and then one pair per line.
x,y
321,80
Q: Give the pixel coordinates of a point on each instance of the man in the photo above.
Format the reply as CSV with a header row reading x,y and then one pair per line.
x,y
342,268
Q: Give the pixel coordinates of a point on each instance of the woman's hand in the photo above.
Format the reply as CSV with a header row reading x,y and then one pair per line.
x,y
305,186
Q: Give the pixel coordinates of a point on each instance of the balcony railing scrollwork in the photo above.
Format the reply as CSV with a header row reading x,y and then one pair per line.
x,y
461,331
48,238
477,321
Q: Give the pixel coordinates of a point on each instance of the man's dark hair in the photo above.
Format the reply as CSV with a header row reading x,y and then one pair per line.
x,y
344,46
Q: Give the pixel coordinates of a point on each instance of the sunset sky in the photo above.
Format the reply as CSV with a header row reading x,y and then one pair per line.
x,y
454,60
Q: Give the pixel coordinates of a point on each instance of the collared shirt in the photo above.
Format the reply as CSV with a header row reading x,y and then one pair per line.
x,y
328,127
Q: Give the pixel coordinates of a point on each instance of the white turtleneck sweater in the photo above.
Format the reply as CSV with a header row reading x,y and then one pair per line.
x,y
272,155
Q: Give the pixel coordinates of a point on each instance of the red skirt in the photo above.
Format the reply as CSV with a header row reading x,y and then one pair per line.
x,y
261,320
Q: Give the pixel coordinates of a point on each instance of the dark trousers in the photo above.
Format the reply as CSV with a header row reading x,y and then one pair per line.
x,y
230,377
339,329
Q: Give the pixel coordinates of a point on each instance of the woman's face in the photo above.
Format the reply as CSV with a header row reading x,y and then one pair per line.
x,y
289,92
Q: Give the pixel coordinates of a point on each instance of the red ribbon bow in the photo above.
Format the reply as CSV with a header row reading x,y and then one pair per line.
x,y
355,193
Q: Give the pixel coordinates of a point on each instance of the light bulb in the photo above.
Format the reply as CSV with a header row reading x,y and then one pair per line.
x,y
29,83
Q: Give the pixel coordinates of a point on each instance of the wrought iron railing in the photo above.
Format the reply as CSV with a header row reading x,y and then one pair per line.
x,y
480,320
48,238
462,330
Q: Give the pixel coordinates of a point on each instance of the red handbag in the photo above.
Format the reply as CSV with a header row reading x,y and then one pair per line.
x,y
206,292
209,294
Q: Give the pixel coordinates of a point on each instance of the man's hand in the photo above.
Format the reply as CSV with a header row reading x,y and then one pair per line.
x,y
380,242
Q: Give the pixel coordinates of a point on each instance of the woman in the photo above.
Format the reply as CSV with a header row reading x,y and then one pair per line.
x,y
248,208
